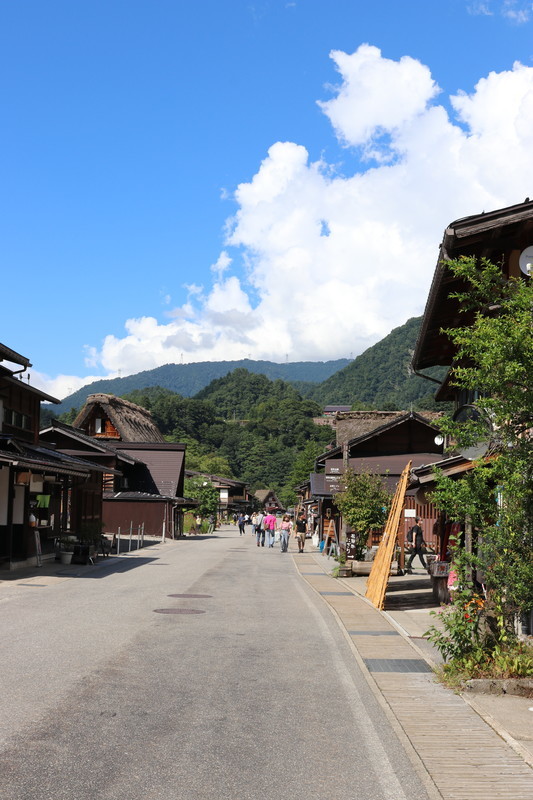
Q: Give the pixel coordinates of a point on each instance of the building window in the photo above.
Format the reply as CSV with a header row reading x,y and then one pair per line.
x,y
17,420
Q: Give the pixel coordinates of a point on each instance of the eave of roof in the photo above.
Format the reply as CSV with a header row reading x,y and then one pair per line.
x,y
226,481
40,460
17,382
457,235
7,354
100,447
150,498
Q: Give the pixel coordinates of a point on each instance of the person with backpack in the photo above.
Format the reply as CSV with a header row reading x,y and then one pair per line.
x,y
269,525
415,539
259,530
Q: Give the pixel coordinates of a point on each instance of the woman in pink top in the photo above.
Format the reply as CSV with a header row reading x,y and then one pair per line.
x,y
286,528
269,524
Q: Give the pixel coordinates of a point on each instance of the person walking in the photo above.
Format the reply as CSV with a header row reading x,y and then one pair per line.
x,y
269,523
240,523
301,530
259,530
415,537
254,523
285,530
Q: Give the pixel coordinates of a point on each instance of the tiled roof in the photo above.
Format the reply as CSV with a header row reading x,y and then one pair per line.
x,y
43,459
148,497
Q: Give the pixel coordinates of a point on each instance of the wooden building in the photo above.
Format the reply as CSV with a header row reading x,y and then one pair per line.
x,y
383,444
149,490
44,494
505,237
268,501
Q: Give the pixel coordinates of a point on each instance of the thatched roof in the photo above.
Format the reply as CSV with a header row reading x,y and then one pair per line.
x,y
353,424
356,424
132,422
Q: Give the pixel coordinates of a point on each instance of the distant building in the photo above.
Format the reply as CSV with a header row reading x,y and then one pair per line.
x,y
233,494
268,501
149,490
330,411
329,415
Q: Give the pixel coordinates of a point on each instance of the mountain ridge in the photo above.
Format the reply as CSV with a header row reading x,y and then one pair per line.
x,y
189,379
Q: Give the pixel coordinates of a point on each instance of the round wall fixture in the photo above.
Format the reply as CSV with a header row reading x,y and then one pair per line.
x,y
525,261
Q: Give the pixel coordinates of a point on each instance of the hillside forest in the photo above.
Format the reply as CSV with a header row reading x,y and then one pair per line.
x,y
248,426
242,426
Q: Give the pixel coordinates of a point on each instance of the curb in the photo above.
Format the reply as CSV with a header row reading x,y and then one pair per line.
x,y
418,765
469,699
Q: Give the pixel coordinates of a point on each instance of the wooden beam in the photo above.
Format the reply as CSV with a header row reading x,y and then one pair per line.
x,y
379,574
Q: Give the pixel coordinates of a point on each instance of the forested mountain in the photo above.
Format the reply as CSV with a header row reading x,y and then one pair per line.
x,y
188,379
242,423
380,377
242,426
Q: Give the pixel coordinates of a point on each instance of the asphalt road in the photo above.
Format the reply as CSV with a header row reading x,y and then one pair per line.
x,y
256,696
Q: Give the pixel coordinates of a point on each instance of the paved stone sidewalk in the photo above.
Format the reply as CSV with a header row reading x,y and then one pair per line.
x,y
461,754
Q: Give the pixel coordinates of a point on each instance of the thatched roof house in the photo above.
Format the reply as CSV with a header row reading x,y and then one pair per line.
x,y
354,425
106,416
268,501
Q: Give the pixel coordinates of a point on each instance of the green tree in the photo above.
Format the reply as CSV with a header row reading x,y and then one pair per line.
x,y
364,504
205,493
302,466
494,361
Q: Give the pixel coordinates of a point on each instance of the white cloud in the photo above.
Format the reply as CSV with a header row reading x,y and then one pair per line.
x,y
334,262
222,265
376,95
516,11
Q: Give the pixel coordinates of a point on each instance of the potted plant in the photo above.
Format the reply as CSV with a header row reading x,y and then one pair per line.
x,y
65,548
88,540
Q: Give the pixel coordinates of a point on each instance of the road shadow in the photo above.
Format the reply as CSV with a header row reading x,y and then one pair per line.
x,y
410,593
111,566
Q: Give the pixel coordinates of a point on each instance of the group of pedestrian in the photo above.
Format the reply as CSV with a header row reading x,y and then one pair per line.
x,y
268,530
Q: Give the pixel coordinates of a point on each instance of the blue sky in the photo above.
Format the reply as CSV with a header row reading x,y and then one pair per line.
x,y
225,179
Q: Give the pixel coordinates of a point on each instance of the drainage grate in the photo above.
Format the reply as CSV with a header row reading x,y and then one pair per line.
x,y
373,633
397,665
178,611
193,596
